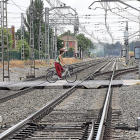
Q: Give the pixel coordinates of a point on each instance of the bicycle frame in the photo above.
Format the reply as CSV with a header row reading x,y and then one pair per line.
x,y
65,72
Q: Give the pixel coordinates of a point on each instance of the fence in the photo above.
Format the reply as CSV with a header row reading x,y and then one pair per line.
x,y
17,55
68,54
14,55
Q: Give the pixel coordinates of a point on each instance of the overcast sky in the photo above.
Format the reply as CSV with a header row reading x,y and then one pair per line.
x,y
95,24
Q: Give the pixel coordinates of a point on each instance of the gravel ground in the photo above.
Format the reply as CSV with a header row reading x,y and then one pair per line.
x,y
109,67
129,101
81,106
4,93
19,108
15,73
83,99
129,76
121,64
83,74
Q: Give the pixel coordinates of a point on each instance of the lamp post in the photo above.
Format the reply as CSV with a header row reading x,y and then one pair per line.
x,y
126,35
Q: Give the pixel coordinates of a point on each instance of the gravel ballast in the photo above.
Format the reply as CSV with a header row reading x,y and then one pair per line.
x,y
19,108
129,101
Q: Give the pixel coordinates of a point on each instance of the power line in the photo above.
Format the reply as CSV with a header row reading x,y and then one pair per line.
x,y
17,6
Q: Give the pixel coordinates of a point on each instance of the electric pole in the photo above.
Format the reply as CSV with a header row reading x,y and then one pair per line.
x,y
47,46
22,37
4,47
126,35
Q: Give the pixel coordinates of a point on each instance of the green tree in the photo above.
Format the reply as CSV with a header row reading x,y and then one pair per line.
x,y
10,40
84,42
38,12
26,35
67,33
26,48
59,43
71,49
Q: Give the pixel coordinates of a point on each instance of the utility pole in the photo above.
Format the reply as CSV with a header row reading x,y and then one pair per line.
x,y
22,37
47,45
139,41
126,35
55,42
53,45
4,47
32,54
40,41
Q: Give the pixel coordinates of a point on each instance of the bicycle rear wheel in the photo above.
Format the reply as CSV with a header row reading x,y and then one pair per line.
x,y
51,77
71,77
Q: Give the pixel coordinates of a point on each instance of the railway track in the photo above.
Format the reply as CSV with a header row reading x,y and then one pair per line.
x,y
11,95
102,127
55,122
26,125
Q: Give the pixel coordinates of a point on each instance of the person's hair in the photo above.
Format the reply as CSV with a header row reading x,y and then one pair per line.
x,y
61,51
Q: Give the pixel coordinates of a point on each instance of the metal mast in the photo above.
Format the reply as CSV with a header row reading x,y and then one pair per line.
x,y
47,52
4,47
32,54
22,37
40,42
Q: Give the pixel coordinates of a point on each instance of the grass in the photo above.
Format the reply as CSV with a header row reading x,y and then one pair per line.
x,y
21,64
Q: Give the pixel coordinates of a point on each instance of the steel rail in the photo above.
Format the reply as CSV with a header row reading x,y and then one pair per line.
x,y
116,71
105,110
124,72
46,109
91,132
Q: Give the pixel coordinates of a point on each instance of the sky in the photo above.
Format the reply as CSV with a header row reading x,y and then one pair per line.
x,y
94,24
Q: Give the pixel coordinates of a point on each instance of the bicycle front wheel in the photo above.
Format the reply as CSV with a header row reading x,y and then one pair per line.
x,y
51,77
71,77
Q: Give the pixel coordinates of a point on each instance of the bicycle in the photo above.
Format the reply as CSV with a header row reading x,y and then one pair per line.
x,y
69,75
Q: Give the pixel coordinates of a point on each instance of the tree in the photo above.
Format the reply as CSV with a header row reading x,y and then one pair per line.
x,y
59,43
84,42
26,48
10,40
26,35
38,12
67,33
71,49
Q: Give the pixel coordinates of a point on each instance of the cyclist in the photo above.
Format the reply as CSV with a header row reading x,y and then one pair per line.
x,y
59,61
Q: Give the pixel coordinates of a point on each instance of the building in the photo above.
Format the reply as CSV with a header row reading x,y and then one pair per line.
x,y
12,31
70,41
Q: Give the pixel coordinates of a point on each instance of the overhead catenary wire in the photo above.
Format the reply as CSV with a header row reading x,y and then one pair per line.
x,y
17,6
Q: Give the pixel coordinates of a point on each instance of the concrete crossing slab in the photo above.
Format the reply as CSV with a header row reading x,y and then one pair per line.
x,y
57,84
4,84
64,84
20,85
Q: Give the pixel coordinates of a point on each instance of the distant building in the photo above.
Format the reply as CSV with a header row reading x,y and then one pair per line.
x,y
70,41
12,31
